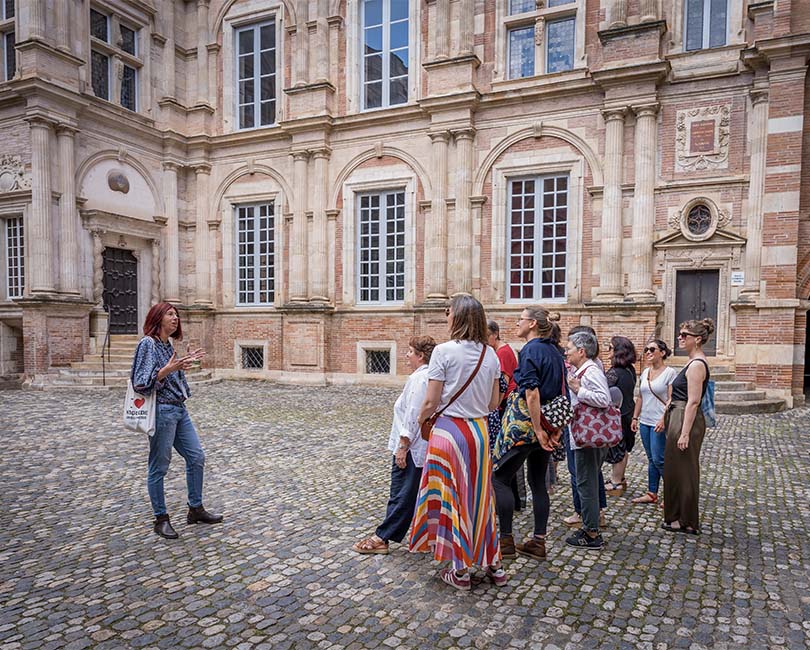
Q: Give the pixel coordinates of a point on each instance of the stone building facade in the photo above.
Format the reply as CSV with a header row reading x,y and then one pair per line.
x,y
310,180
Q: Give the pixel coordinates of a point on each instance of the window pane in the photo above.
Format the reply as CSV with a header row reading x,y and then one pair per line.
x,y
255,253
399,35
560,44
268,113
98,25
374,67
129,88
398,63
694,24
268,88
399,9
521,6
559,3
246,94
374,95
246,67
521,52
128,40
372,14
100,75
246,120
268,37
15,257
9,8
717,23
245,41
373,40
399,91
268,62
11,56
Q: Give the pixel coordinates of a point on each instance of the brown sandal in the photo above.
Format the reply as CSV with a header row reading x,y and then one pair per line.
x,y
370,546
650,497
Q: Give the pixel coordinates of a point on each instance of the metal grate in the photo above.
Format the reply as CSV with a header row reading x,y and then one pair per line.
x,y
252,358
378,362
699,220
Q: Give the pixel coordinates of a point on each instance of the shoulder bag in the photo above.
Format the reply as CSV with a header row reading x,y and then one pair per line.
x,y
649,385
139,410
427,425
594,427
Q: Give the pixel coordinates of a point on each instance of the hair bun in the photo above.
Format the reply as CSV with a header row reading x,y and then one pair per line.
x,y
708,323
554,316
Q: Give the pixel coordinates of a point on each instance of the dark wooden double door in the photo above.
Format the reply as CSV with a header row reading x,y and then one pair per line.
x,y
696,296
120,269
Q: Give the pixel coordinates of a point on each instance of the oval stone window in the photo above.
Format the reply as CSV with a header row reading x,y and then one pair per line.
x,y
699,220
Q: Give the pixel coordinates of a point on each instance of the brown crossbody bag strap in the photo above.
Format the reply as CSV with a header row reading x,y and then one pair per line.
x,y
427,425
649,383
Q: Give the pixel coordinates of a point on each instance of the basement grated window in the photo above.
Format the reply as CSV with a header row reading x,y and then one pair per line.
x,y
252,358
378,362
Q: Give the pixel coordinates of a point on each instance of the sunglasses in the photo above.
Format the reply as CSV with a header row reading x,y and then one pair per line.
x,y
651,349
683,335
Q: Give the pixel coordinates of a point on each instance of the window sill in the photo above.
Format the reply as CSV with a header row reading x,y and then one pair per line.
x,y
540,80
703,64
106,104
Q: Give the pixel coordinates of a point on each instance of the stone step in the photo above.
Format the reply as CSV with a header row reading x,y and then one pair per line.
x,y
728,386
740,396
750,407
66,381
722,376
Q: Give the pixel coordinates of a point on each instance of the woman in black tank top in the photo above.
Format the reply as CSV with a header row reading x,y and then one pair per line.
x,y
685,430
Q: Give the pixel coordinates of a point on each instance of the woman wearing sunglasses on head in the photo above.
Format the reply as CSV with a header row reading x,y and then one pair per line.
x,y
685,428
648,417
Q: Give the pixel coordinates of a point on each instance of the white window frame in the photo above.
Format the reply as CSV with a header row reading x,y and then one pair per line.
x,y
256,253
506,23
6,259
386,58
7,27
116,56
707,6
256,29
233,22
382,248
534,164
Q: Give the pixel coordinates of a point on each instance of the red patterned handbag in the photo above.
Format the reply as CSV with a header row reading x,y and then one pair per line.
x,y
594,427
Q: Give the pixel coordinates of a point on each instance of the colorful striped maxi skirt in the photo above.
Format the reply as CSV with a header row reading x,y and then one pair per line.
x,y
455,511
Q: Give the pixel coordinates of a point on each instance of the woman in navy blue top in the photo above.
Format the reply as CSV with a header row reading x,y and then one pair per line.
x,y
540,378
156,368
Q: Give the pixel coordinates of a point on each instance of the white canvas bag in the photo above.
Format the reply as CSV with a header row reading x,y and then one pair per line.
x,y
139,411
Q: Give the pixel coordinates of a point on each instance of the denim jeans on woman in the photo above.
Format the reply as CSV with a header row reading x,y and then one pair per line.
x,y
173,428
654,444
572,470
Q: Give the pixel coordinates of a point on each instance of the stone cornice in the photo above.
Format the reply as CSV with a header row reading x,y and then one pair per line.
x,y
317,85
42,45
101,221
607,35
622,75
450,61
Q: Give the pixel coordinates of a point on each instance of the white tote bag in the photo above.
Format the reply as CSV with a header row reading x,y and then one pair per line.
x,y
139,411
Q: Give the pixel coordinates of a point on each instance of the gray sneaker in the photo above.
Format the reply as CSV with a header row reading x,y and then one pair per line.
x,y
581,539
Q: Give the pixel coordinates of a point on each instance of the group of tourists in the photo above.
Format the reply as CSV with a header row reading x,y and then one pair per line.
x,y
471,419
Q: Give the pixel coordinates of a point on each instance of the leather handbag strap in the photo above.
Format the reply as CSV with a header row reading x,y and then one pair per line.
x,y
466,383
649,383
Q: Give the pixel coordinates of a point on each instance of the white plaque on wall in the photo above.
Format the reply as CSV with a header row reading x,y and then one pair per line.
x,y
737,278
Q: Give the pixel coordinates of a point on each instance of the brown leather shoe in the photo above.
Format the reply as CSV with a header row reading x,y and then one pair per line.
x,y
533,547
508,547
200,515
164,528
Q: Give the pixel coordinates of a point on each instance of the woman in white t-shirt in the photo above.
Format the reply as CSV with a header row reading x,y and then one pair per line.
x,y
648,418
455,510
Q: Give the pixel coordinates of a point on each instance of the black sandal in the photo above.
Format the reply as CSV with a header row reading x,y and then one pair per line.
x,y
668,527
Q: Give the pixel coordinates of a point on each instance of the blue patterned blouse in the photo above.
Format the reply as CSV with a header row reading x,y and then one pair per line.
x,y
150,356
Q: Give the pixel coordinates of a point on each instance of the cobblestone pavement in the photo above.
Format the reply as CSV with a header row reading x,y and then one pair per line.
x,y
81,568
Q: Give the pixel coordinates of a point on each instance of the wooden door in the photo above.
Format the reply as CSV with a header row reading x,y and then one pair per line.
x,y
121,290
696,298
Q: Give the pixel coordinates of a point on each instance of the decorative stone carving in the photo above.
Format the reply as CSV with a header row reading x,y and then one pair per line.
x,y
702,138
705,219
117,181
12,174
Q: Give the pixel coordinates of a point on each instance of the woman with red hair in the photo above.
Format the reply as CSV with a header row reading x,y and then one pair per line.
x,y
156,367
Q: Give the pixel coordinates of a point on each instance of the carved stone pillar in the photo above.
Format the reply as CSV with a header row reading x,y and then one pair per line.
x,y
61,10
610,262
756,190
301,43
202,51
201,244
68,216
460,235
318,272
466,27
171,274
98,269
155,271
38,237
618,13
322,50
36,29
214,244
168,67
298,235
644,203
442,38
436,227
648,10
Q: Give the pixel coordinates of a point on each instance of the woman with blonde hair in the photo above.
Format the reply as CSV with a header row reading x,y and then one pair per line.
x,y
455,511
685,429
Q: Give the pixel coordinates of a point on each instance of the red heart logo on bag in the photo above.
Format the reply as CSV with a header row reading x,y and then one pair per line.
x,y
139,402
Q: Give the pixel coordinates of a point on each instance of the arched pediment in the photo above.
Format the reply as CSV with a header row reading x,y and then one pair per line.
x,y
118,183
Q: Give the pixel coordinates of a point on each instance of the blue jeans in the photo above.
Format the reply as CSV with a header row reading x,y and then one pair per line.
x,y
654,444
402,500
173,428
572,470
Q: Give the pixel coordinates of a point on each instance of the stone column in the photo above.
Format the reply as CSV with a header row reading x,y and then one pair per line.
x,y
298,236
202,52
442,38
756,190
318,272
466,28
214,246
98,269
461,240
436,227
641,288
68,219
36,29
618,13
201,242
168,49
155,271
648,10
610,262
38,237
322,50
301,45
171,275
61,10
